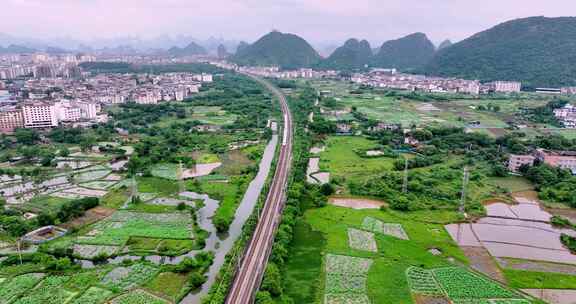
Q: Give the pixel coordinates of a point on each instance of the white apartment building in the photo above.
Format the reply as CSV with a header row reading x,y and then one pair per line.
x,y
567,115
65,111
506,86
39,115
88,110
10,120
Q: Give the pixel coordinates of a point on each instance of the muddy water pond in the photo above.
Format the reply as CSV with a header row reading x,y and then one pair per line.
x,y
515,231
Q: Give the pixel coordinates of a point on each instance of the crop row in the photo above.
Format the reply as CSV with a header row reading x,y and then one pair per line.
x,y
341,264
346,299
128,277
361,240
138,297
17,286
462,284
122,225
422,281
49,291
94,295
377,226
342,283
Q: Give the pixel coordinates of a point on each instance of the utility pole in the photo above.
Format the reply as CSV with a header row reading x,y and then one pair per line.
x,y
18,249
405,183
465,180
179,177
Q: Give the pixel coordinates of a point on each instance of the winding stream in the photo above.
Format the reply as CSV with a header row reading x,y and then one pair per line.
x,y
219,243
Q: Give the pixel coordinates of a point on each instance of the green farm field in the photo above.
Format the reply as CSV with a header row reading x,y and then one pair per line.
x,y
386,282
344,164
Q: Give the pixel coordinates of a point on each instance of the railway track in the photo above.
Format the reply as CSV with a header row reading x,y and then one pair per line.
x,y
249,274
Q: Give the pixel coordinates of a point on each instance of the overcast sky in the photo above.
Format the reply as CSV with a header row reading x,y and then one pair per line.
x,y
315,20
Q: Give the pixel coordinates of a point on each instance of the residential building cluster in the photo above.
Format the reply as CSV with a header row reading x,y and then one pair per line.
x,y
40,65
391,79
275,71
567,116
560,159
48,102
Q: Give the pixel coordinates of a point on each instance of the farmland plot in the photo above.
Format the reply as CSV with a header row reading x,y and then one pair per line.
x,y
342,264
17,286
128,277
91,175
461,284
49,291
346,279
91,251
99,185
94,295
138,297
377,226
361,240
167,171
346,299
422,281
122,225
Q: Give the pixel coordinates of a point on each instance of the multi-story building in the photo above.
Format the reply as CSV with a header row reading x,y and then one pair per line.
x,y
11,119
39,115
506,86
564,160
516,161
88,110
65,111
566,115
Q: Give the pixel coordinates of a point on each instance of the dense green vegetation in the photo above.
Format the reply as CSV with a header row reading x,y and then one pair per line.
x,y
533,50
285,50
12,222
353,55
410,52
120,67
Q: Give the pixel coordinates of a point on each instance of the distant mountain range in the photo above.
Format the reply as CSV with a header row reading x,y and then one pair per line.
x,y
121,44
539,51
190,50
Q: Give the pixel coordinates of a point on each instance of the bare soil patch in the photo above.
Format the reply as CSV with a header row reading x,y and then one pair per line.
x,y
554,296
536,266
482,261
356,203
92,216
422,299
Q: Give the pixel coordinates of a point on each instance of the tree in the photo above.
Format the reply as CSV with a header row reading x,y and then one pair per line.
x,y
272,280
264,297
327,189
196,280
26,136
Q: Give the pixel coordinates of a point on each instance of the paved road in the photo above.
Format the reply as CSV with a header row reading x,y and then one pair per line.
x,y
249,275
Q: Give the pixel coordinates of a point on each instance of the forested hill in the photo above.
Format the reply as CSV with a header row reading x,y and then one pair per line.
x,y
539,51
190,50
410,52
285,50
353,55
